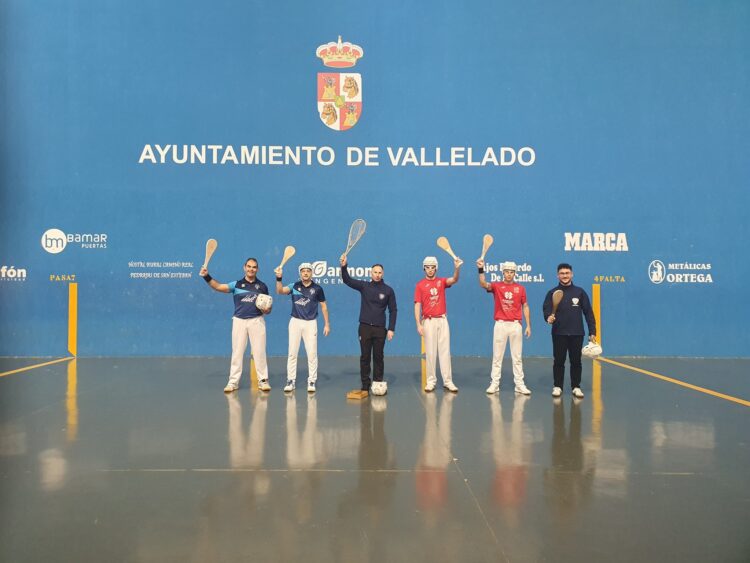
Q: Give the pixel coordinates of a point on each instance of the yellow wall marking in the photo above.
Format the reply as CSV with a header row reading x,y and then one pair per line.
x,y
73,319
253,375
71,401
678,382
27,368
596,305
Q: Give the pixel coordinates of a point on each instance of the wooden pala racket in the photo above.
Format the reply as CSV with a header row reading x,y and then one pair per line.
x,y
443,243
487,241
211,246
557,296
288,253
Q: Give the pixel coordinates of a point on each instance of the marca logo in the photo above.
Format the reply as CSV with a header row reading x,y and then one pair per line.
x,y
679,272
339,93
331,275
54,241
11,273
596,242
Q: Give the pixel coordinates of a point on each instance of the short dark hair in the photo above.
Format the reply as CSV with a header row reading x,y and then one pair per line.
x,y
375,265
253,259
564,266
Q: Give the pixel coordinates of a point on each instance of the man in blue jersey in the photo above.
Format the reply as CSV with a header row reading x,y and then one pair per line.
x,y
567,329
376,298
306,296
247,323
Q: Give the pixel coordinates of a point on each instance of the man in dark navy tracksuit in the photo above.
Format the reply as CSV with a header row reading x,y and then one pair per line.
x,y
567,329
376,298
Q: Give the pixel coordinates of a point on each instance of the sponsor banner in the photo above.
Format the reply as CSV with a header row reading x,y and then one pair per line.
x,y
151,269
55,241
524,273
680,272
12,274
323,274
596,242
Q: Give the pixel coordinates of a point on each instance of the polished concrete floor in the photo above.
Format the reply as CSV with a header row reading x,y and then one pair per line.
x,y
147,460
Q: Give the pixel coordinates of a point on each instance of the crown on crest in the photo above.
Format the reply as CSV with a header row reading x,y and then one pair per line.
x,y
339,55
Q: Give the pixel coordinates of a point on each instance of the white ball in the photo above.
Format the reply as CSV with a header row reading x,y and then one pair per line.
x,y
264,302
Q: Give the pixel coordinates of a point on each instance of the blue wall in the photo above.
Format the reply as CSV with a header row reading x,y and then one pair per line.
x,y
636,112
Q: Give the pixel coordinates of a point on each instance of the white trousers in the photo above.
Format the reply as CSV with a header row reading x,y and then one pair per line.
x,y
243,330
437,345
504,331
308,332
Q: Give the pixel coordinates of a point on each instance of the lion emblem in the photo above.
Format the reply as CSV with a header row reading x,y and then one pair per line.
x,y
351,115
329,114
350,87
328,91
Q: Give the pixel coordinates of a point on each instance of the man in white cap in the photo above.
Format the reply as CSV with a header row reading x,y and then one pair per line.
x,y
432,324
306,296
510,300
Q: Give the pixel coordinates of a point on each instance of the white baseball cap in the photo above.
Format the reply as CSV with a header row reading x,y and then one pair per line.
x,y
429,261
508,266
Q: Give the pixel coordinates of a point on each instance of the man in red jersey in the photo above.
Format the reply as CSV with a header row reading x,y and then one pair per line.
x,y
510,300
429,312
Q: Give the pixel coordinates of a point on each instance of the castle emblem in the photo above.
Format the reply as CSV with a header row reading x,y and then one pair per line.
x,y
339,93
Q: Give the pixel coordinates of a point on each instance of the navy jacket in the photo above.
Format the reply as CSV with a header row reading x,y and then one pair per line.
x,y
574,306
376,297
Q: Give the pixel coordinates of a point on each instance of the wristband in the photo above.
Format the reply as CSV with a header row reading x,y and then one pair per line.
x,y
207,278
278,279
481,270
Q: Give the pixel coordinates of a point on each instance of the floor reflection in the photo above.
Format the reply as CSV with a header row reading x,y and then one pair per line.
x,y
568,482
246,450
362,511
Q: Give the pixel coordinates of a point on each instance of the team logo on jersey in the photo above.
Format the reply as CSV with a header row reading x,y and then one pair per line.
x,y
575,301
508,295
257,286
433,291
381,295
312,291
339,93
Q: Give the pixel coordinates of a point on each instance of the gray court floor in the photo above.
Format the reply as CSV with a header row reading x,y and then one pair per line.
x,y
147,460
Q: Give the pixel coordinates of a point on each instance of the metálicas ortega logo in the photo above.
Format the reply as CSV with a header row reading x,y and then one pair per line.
x,y
55,241
656,271
680,272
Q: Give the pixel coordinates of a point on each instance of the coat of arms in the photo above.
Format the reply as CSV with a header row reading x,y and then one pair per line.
x,y
339,93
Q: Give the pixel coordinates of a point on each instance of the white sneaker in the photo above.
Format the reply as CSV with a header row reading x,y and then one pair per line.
x,y
289,387
523,390
556,391
430,387
263,385
493,388
577,393
379,388
311,386
230,388
450,386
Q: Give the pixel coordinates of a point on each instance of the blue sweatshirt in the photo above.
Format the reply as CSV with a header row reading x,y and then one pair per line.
x,y
376,297
574,306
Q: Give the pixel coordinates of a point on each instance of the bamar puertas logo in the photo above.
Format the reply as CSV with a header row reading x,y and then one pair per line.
x,y
339,93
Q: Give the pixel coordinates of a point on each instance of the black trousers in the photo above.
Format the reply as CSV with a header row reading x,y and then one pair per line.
x,y
371,344
570,346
